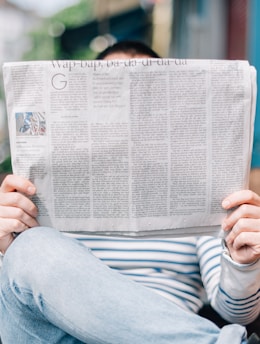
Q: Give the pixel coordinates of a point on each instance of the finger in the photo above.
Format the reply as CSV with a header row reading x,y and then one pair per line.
x,y
18,214
17,200
8,226
243,225
241,197
250,240
17,183
244,211
245,255
6,242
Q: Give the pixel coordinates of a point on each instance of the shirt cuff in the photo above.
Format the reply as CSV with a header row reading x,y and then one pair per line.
x,y
226,255
239,280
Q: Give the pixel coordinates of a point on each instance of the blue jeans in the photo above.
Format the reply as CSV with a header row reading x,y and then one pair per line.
x,y
53,290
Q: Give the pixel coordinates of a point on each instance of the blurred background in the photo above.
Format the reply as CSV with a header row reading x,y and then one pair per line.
x,y
79,29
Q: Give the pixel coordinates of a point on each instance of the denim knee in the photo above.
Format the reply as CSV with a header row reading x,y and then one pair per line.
x,y
32,252
30,242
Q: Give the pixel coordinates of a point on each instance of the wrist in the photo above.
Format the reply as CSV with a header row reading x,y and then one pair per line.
x,y
5,243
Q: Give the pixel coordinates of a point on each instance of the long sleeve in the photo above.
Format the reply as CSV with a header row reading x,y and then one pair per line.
x,y
238,295
233,289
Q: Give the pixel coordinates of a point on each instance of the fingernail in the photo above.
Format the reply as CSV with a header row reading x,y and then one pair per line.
x,y
225,203
31,190
224,226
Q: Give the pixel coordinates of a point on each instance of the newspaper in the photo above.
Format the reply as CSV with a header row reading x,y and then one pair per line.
x,y
140,147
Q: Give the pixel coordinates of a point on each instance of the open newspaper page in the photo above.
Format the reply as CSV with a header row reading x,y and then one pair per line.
x,y
132,147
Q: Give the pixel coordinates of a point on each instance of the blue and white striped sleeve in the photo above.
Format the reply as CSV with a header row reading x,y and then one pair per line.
x,y
209,251
238,295
233,289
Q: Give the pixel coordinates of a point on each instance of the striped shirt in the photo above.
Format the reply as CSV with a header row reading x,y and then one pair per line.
x,y
180,269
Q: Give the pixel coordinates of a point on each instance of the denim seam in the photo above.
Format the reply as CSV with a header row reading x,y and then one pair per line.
x,y
24,328
57,313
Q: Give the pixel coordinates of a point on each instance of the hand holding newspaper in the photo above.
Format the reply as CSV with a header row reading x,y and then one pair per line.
x,y
132,147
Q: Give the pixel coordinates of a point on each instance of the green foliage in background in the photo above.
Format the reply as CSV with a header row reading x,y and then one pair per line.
x,y
76,15
44,40
6,166
42,45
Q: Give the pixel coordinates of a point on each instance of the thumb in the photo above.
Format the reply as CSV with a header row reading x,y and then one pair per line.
x,y
17,183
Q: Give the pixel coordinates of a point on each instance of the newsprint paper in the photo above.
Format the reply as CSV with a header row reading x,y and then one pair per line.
x,y
140,147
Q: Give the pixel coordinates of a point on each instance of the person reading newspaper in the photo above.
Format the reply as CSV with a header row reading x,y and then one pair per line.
x,y
58,288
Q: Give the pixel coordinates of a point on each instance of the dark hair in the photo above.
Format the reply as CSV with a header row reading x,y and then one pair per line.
x,y
132,48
